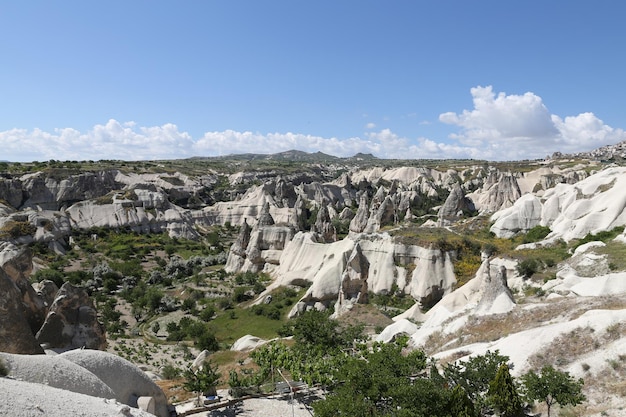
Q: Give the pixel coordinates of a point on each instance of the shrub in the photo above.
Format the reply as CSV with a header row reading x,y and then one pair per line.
x,y
527,267
170,372
536,234
4,371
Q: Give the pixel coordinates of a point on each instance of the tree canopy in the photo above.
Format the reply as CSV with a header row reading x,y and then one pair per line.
x,y
553,387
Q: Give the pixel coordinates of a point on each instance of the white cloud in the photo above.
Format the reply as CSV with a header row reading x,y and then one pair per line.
x,y
520,126
499,127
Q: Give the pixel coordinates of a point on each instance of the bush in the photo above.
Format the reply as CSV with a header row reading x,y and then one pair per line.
x,y
4,371
536,234
527,267
170,372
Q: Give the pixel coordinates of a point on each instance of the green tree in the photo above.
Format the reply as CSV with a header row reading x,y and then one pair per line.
x,y
460,403
382,381
474,375
553,387
503,395
204,380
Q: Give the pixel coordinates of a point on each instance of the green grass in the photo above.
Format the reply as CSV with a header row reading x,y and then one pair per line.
x,y
228,330
616,253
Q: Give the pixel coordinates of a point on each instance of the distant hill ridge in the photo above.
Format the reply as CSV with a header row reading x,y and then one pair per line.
x,y
293,155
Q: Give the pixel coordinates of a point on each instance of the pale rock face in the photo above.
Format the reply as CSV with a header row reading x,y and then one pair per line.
x,y
255,247
341,272
592,205
595,204
455,205
398,328
17,263
521,217
487,293
498,192
56,371
381,215
359,222
126,380
248,207
247,343
323,226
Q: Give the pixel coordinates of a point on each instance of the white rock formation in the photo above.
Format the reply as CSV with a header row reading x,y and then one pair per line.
x,y
126,380
595,204
56,371
336,272
247,343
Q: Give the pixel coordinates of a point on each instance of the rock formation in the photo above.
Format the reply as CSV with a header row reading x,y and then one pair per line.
x,y
16,335
455,206
323,226
326,267
128,382
72,322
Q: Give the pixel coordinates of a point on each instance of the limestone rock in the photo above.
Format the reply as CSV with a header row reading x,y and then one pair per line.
x,y
237,254
247,343
255,247
47,291
327,266
72,322
498,192
358,223
496,297
353,287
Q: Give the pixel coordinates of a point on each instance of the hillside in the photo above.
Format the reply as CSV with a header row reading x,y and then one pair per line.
x,y
169,258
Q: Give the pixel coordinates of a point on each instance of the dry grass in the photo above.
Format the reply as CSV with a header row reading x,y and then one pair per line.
x,y
367,315
566,348
493,327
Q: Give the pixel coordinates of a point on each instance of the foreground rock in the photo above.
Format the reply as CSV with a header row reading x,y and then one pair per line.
x,y
128,382
72,322
16,335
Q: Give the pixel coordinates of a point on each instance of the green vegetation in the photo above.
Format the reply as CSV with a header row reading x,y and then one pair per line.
x,y
503,394
202,381
553,387
4,371
601,236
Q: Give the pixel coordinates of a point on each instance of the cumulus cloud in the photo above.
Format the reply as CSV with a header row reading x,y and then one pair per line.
x,y
499,127
112,140
520,126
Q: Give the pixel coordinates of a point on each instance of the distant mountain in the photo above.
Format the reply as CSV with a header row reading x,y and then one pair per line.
x,y
363,157
291,155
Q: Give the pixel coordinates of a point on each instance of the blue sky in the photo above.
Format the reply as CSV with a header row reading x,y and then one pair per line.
x,y
497,80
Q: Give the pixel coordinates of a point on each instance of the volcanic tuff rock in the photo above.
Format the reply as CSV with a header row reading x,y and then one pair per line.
x,y
327,267
455,206
571,211
127,381
72,322
257,247
16,335
323,226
